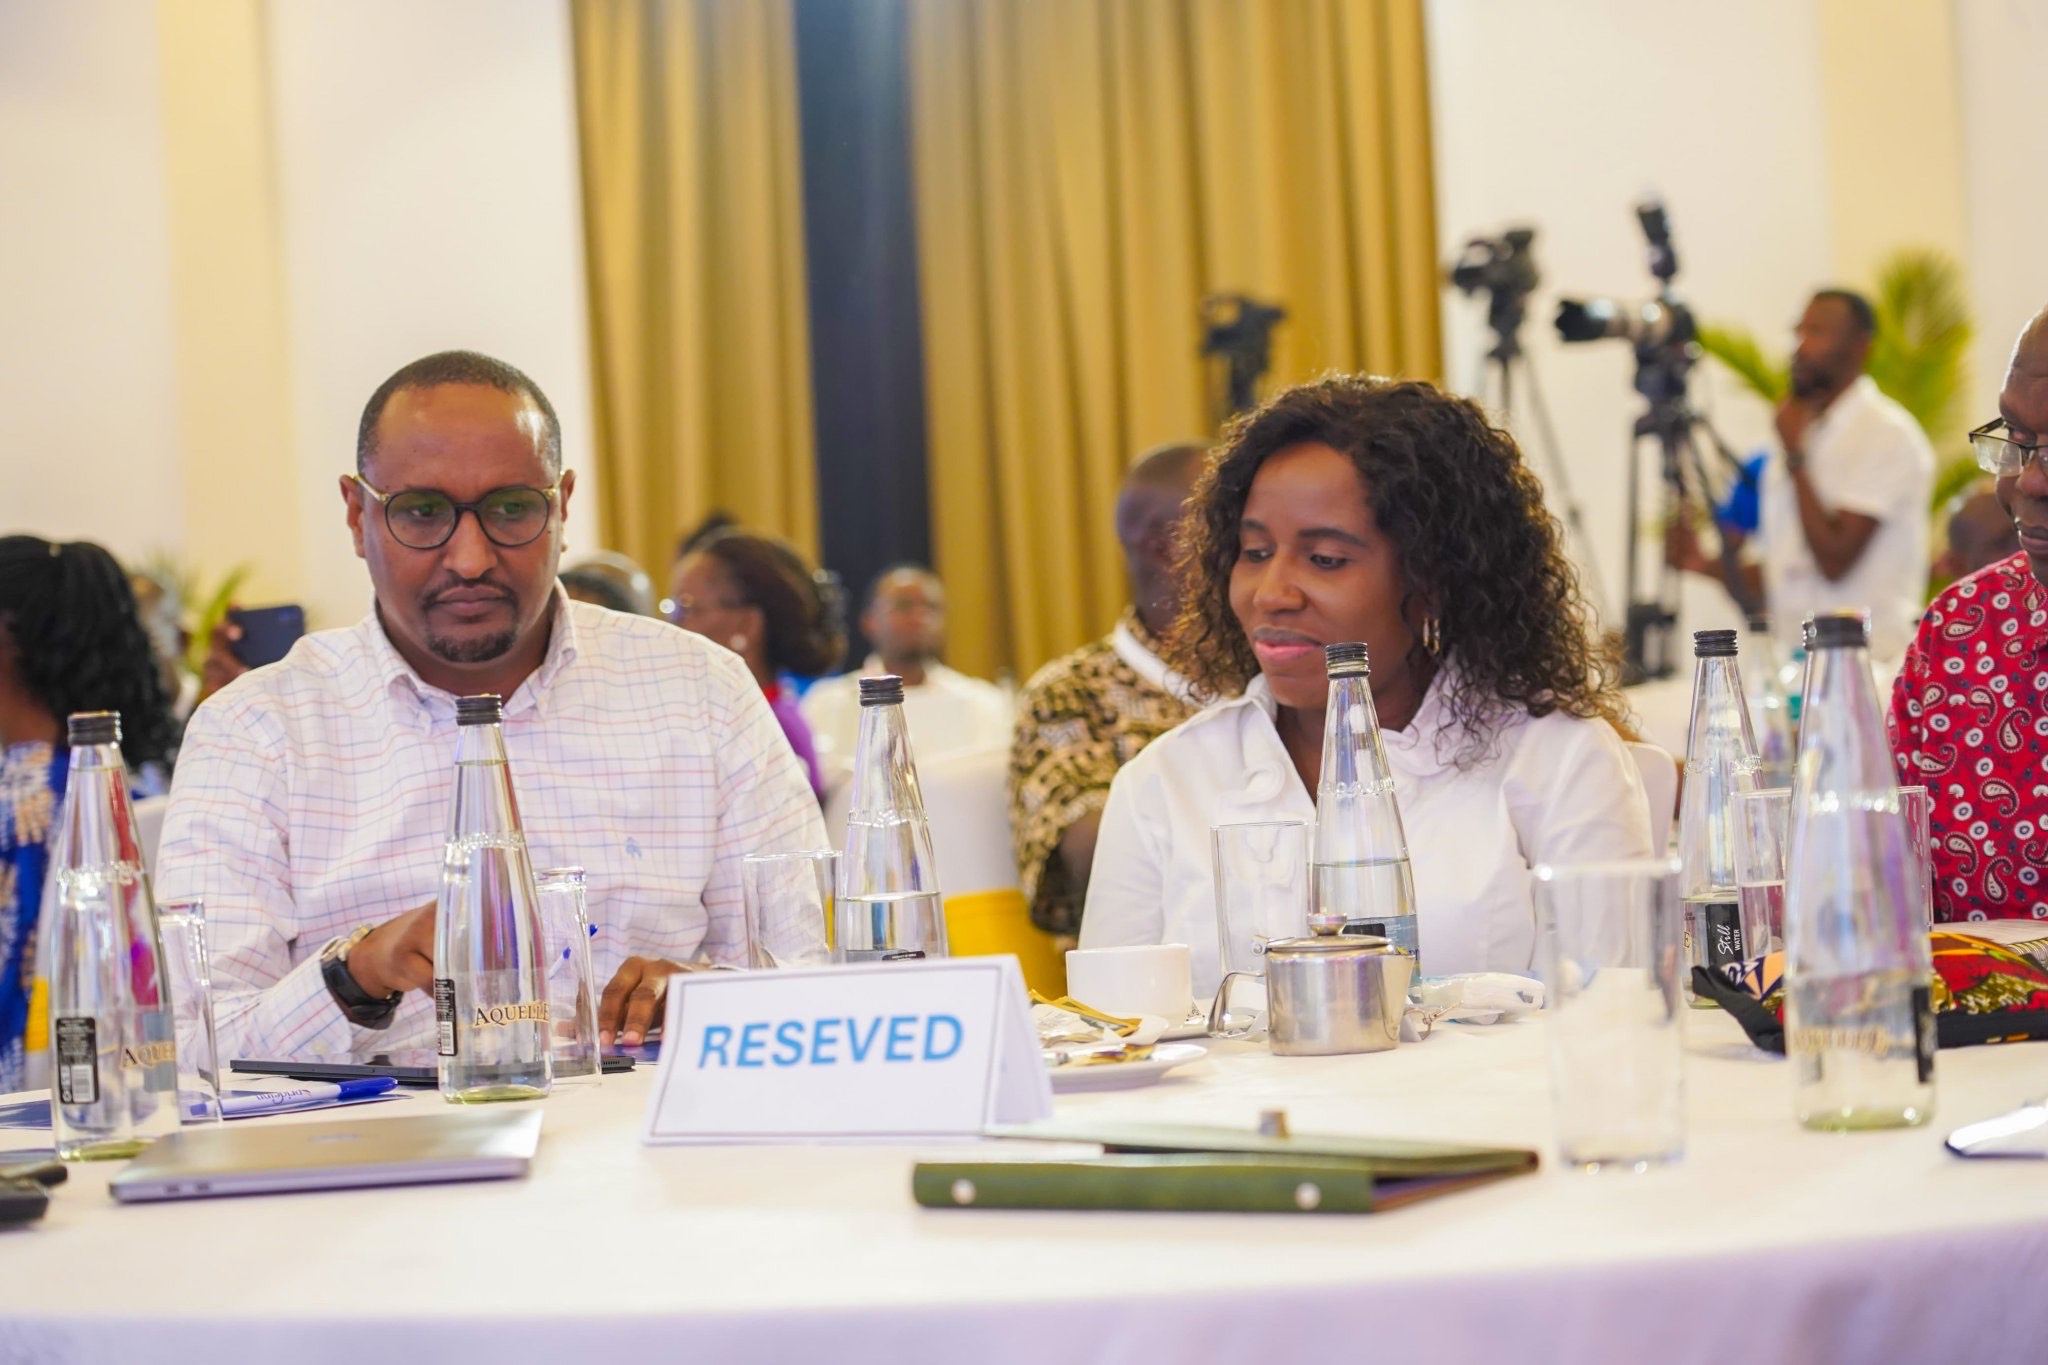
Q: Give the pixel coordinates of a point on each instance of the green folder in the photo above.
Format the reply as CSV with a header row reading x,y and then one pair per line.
x,y
1214,1170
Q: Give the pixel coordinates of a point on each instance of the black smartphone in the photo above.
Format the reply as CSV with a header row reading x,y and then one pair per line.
x,y
407,1068
268,633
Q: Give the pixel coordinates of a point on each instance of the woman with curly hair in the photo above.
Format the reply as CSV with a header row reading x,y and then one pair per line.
x,y
70,640
756,596
1356,509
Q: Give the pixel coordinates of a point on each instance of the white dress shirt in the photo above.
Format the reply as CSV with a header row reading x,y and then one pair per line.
x,y
1558,789
1867,455
947,713
313,796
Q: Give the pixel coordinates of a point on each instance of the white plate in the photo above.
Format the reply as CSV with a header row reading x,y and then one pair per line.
x,y
1125,1075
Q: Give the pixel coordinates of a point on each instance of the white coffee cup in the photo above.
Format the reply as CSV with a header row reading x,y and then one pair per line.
x,y
1147,979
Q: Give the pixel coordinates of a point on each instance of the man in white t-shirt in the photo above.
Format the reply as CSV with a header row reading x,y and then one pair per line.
x,y
1843,517
948,712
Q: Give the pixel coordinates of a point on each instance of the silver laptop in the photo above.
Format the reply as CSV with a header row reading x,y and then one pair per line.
x,y
235,1158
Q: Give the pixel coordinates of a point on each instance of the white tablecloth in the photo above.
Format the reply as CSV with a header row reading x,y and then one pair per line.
x,y
1765,1244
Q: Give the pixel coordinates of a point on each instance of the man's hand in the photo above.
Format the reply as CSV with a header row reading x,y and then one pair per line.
x,y
1682,547
1795,415
398,955
221,666
632,1002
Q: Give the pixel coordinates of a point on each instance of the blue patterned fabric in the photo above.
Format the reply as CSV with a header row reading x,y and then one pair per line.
x,y
31,793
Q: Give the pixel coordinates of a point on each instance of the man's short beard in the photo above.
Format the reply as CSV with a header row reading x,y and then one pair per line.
x,y
480,650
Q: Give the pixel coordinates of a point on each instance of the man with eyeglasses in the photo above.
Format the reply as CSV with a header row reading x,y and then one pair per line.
x,y
311,799
1842,522
1969,715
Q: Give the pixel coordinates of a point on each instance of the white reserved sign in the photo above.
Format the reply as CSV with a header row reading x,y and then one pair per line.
x,y
906,1050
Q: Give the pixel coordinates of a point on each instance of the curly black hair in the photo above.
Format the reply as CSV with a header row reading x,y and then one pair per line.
x,y
1476,547
78,642
802,606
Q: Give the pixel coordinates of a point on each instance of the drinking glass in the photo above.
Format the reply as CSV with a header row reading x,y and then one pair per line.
x,y
1613,943
1918,808
189,980
1262,894
1762,830
789,908
571,980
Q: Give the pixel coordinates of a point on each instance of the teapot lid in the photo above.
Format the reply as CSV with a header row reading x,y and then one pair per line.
x,y
1327,941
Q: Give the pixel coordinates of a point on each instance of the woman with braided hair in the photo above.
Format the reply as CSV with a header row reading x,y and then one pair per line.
x,y
70,640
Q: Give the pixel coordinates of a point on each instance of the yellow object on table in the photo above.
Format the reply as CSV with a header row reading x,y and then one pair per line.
x,y
988,923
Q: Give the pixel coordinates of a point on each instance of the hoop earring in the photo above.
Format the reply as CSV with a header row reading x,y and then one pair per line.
x,y
1432,635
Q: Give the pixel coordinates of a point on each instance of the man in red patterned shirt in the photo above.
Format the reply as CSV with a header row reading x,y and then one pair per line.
x,y
1970,709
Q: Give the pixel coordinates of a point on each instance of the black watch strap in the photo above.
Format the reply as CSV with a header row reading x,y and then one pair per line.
x,y
363,1009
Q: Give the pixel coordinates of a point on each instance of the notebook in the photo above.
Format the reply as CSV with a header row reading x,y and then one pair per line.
x,y
200,1163
1146,1166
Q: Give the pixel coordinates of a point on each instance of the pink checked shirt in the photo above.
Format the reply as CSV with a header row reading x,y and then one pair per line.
x,y
312,796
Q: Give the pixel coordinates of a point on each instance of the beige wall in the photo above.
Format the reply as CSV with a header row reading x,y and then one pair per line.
x,y
1892,118
88,402
223,224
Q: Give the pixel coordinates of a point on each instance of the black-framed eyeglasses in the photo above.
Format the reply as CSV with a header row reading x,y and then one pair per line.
x,y
425,518
679,610
2001,455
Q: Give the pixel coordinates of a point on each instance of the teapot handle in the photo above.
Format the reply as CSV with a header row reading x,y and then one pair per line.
x,y
1219,1008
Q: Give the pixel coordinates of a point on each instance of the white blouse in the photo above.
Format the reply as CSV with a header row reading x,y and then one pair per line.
x,y
1557,789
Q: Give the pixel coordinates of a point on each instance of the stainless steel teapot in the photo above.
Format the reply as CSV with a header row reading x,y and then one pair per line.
x,y
1328,994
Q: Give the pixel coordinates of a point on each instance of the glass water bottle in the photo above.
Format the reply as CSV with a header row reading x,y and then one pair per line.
x,y
113,1058
1720,762
1360,859
889,904
490,981
1859,1028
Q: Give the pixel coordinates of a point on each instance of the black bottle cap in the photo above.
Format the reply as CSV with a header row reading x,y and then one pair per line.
x,y
1346,660
886,690
486,709
1758,622
1841,630
93,727
1713,644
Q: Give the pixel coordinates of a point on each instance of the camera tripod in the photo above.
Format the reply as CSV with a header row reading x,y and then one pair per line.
x,y
1648,625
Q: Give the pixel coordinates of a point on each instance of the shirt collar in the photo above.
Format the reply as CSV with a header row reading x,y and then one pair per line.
x,y
1861,392
2029,599
398,675
1138,648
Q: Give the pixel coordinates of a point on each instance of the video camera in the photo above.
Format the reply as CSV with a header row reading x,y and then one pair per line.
x,y
1663,330
1505,268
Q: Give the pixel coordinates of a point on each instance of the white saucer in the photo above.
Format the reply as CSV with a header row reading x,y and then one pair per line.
x,y
1126,1075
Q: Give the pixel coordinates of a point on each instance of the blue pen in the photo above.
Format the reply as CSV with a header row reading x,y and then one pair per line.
x,y
313,1096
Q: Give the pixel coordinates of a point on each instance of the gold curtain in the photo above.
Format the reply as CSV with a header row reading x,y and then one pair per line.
x,y
1087,170
693,220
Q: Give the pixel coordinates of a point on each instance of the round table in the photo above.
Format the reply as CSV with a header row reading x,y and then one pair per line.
x,y
1766,1243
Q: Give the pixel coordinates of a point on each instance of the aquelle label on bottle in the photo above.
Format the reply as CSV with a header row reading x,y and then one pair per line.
x,y
516,1012
156,1055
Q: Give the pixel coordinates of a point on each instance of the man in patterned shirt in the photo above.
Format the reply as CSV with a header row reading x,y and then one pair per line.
x,y
1969,715
1082,717
311,797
